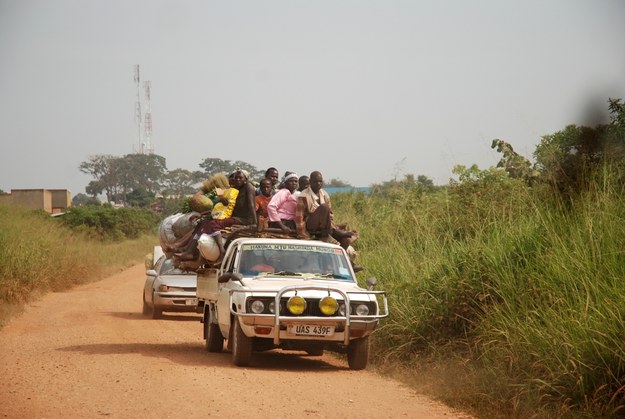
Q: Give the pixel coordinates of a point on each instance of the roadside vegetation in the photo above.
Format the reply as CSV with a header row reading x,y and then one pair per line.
x,y
505,286
508,304
39,254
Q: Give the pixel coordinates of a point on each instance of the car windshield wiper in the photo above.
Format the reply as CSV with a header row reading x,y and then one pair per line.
x,y
285,273
332,275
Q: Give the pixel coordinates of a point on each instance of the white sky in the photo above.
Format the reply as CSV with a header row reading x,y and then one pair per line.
x,y
361,90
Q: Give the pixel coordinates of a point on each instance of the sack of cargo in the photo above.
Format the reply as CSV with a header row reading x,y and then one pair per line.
x,y
183,224
166,232
218,180
208,248
200,202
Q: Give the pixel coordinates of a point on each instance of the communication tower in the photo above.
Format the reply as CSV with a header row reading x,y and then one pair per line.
x,y
143,119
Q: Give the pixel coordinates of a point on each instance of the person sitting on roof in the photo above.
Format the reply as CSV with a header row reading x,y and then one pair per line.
x,y
244,213
262,201
314,215
281,208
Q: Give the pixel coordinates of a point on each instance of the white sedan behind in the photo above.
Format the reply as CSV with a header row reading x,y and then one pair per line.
x,y
169,289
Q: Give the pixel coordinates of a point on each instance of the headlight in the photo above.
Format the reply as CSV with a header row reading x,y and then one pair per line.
x,y
362,310
328,305
257,307
272,307
296,305
342,309
165,288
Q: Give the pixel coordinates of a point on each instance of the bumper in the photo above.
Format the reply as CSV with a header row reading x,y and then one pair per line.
x,y
176,302
280,328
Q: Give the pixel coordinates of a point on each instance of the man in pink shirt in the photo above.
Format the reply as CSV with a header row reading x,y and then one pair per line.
x,y
281,208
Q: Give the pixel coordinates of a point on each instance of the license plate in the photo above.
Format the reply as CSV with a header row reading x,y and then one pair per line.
x,y
192,302
310,330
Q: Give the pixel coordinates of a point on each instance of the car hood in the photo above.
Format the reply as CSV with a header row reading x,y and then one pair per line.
x,y
186,281
261,285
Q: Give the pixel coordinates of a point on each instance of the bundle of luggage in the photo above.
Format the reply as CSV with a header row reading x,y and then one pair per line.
x,y
177,230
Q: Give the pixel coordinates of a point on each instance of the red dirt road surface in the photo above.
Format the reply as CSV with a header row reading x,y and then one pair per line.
x,y
89,352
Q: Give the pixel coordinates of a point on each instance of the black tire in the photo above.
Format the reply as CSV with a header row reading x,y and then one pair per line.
x,y
147,310
214,338
241,346
157,313
358,353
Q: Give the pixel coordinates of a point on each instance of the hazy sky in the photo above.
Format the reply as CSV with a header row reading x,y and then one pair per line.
x,y
361,90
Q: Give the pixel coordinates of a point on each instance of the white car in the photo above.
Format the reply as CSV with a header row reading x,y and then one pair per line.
x,y
168,288
290,294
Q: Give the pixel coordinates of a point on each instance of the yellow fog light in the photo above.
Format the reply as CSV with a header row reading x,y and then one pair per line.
x,y
328,305
296,305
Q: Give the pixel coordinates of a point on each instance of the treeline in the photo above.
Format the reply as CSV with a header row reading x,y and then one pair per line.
x,y
506,286
135,179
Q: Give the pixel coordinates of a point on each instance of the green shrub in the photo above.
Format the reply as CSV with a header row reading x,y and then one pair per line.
x,y
108,223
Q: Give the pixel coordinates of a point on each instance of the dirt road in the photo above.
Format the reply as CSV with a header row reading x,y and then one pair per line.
x,y
89,352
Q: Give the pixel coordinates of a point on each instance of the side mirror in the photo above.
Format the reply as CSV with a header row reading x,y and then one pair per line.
x,y
224,278
371,282
150,272
229,276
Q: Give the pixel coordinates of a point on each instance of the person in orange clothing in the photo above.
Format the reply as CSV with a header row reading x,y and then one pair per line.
x,y
262,200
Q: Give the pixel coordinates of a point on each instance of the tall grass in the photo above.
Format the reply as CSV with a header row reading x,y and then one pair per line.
x,y
515,297
38,255
504,299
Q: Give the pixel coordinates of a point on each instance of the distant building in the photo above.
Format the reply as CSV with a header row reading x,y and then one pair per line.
x,y
53,201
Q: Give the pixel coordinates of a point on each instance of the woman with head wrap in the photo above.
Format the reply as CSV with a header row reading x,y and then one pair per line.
x,y
281,208
243,213
282,185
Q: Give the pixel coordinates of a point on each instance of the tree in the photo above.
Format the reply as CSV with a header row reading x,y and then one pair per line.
x,y
103,169
336,183
512,162
213,166
569,159
140,198
142,171
425,183
617,114
118,176
409,185
180,182
81,200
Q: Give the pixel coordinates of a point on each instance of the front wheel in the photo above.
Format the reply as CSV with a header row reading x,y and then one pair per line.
x,y
147,310
241,345
214,338
157,313
358,353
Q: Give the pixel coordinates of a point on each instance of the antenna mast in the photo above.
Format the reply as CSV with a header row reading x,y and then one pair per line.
x,y
143,121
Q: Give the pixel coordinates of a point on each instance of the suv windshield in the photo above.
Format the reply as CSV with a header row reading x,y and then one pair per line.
x,y
290,259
